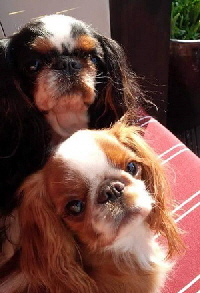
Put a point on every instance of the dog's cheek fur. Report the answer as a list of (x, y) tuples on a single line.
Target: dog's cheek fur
[(38, 218), (24, 134), (117, 87), (19, 56), (160, 219)]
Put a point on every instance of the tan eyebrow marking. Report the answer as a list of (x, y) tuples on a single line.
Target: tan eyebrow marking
[(42, 45), (114, 150), (86, 43)]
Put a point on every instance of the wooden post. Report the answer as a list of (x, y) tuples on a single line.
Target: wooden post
[(142, 27)]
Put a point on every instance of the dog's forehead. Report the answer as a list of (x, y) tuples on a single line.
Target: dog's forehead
[(82, 153), (91, 153), (65, 31)]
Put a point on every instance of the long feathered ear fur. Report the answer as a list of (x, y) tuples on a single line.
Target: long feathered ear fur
[(117, 88), (160, 220), (50, 258), (24, 134)]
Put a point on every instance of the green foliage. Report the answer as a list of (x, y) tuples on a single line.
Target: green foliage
[(185, 19)]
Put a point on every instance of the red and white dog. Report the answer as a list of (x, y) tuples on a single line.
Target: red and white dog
[(87, 221)]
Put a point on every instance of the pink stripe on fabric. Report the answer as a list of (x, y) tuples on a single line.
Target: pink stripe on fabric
[(175, 155), (187, 266), (189, 199), (144, 118), (171, 149), (188, 212), (147, 122), (196, 279), (183, 170)]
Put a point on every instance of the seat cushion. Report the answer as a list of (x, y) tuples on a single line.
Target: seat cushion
[(183, 171)]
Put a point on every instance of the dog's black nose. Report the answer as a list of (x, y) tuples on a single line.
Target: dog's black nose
[(74, 66), (110, 191), (70, 66)]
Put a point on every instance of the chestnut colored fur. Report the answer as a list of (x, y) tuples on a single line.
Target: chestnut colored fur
[(63, 254)]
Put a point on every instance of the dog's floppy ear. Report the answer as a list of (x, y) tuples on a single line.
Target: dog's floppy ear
[(23, 133), (49, 258), (117, 88), (160, 220)]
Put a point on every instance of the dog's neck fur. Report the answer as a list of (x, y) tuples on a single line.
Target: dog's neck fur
[(122, 278), (125, 268), (123, 272), (111, 272)]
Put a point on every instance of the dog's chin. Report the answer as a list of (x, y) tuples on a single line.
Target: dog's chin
[(65, 104), (118, 233), (65, 123), (133, 236), (69, 114)]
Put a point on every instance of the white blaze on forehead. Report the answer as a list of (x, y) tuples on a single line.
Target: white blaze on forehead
[(82, 153), (60, 27)]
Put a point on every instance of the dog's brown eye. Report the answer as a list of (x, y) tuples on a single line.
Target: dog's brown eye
[(132, 168), (74, 208)]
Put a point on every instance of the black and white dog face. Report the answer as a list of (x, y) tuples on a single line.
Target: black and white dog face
[(62, 66), (55, 60), (57, 75)]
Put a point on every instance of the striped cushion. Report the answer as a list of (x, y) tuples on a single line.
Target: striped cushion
[(183, 170)]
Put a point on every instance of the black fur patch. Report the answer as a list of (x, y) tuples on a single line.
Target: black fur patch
[(78, 30)]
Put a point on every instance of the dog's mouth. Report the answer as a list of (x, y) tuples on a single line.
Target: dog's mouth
[(120, 208), (119, 215), (69, 114), (65, 102), (113, 223)]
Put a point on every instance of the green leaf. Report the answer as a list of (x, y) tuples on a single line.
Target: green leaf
[(185, 19)]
